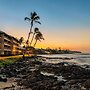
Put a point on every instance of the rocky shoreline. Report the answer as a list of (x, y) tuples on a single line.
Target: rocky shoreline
[(34, 74)]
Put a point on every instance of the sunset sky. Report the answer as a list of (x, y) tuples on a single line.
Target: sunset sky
[(65, 23)]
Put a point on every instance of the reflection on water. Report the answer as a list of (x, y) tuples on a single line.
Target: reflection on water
[(76, 58)]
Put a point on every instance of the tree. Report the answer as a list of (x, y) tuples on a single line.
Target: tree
[(36, 30), (33, 18), (38, 36), (21, 40)]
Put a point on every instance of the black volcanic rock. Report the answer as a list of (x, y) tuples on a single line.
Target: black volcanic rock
[(87, 84), (29, 73), (3, 79)]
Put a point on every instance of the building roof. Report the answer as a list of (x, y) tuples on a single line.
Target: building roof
[(1, 32)]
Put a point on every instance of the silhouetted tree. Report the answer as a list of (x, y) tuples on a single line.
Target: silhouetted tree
[(21, 40), (36, 30), (38, 36), (33, 18)]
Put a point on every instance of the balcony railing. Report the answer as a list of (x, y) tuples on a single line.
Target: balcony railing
[(7, 50), (7, 39), (7, 44)]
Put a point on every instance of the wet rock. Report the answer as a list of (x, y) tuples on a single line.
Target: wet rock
[(3, 79), (37, 81), (60, 83), (87, 84), (29, 75)]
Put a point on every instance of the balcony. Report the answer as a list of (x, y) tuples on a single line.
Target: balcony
[(7, 39), (7, 50), (6, 44), (16, 44), (7, 47)]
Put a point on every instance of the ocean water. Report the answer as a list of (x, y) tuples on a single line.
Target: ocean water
[(81, 59)]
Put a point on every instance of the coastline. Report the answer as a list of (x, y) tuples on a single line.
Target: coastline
[(34, 74)]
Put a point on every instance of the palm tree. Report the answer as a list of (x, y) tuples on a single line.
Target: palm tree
[(38, 36), (36, 30), (21, 40), (33, 18)]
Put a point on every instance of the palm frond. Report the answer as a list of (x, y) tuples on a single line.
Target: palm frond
[(36, 30), (39, 40), (26, 18), (39, 36), (36, 18), (21, 40), (33, 15), (42, 38), (38, 22)]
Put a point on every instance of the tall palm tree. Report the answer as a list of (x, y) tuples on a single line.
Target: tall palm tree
[(36, 30), (33, 18), (38, 36)]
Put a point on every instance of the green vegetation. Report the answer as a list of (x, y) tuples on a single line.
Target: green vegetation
[(54, 51), (7, 61)]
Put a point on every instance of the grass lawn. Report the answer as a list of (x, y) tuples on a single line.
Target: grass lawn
[(11, 59), (8, 60)]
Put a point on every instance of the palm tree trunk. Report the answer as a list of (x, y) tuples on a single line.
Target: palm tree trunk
[(35, 43), (32, 39), (29, 34)]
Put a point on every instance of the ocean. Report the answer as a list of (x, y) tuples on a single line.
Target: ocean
[(79, 58)]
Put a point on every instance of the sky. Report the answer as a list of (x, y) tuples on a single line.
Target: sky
[(65, 23)]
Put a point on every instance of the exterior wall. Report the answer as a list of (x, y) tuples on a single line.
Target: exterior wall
[(8, 44), (15, 46), (2, 44)]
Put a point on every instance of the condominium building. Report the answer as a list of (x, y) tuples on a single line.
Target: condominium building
[(9, 45)]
